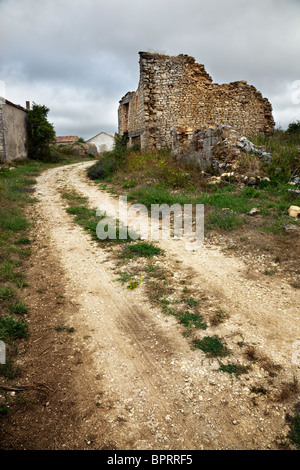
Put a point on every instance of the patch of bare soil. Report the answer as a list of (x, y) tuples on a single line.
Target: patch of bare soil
[(117, 373), (264, 253)]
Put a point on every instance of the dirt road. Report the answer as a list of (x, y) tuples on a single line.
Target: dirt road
[(127, 377)]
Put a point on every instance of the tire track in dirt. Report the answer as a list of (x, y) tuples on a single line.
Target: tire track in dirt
[(256, 303), (162, 395), (128, 344)]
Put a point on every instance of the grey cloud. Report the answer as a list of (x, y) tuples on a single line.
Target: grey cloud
[(91, 49)]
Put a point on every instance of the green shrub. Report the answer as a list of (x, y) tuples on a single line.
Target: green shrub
[(41, 133), (212, 346), (234, 369), (225, 220), (129, 184), (191, 302), (81, 211), (7, 293), (12, 220), (294, 424), (104, 168), (283, 146), (23, 241), (143, 249), (190, 319), (120, 145), (294, 128), (159, 195), (111, 161), (19, 308), (12, 328)]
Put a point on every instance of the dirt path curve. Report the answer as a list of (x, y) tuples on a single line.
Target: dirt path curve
[(154, 391)]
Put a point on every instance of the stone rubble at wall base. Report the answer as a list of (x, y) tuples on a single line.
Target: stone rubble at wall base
[(220, 148)]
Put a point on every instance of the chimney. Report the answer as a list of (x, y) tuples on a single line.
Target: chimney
[(28, 105)]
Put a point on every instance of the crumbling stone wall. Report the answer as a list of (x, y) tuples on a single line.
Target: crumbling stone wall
[(176, 97), (220, 148)]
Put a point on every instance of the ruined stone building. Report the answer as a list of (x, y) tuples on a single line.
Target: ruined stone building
[(13, 131), (176, 97)]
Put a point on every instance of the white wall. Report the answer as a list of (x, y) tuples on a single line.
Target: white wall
[(104, 142)]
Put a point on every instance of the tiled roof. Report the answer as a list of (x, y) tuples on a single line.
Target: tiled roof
[(66, 139), (109, 135), (15, 105)]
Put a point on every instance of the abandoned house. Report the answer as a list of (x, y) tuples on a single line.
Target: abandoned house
[(176, 97), (103, 141), (13, 131)]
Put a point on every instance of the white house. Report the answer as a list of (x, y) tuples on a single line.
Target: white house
[(103, 141)]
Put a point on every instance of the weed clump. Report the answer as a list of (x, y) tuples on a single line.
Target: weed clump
[(141, 249), (190, 320), (283, 145), (224, 220), (293, 421), (218, 317), (234, 368), (111, 161), (12, 328), (212, 346), (103, 168)]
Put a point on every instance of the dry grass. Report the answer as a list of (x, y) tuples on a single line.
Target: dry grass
[(262, 360), (248, 164), (218, 317), (288, 390)]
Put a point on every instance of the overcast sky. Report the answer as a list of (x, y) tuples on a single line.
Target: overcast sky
[(79, 57)]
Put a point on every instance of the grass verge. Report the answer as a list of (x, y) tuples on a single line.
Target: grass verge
[(17, 193)]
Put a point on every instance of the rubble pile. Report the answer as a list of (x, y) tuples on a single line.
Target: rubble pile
[(221, 149)]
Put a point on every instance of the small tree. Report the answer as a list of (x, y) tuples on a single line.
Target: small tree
[(41, 133), (294, 127)]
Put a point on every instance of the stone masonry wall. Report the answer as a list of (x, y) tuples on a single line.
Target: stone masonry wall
[(2, 137), (13, 132), (176, 96)]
